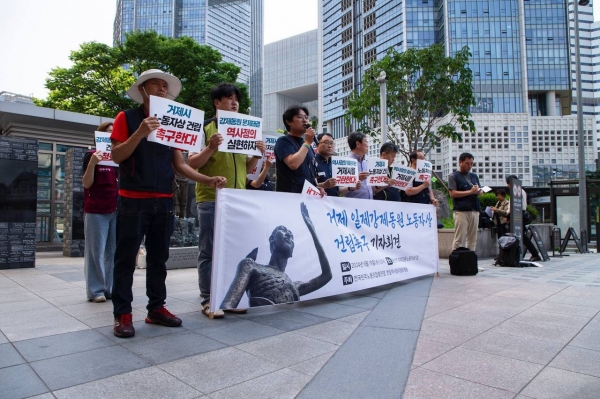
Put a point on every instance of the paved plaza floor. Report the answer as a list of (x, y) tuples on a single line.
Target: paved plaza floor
[(505, 333)]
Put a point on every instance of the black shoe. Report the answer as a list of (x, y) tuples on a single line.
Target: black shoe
[(123, 326), (163, 317), (535, 259)]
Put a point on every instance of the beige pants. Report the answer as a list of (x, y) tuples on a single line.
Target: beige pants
[(465, 225)]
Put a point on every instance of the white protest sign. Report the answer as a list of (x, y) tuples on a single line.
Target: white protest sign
[(423, 170), (240, 133), (310, 189), (378, 172), (253, 175), (180, 125), (303, 247), (270, 141), (104, 145), (344, 171), (403, 176)]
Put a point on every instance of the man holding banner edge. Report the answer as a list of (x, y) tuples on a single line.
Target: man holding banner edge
[(212, 162), (146, 201)]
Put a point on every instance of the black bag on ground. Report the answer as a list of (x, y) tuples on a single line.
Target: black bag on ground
[(509, 251), (463, 262)]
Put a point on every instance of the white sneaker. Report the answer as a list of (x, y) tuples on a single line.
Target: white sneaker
[(99, 299)]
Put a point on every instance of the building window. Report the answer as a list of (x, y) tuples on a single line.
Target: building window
[(345, 103), (370, 56), (347, 68), (346, 18), (368, 4), (346, 4), (347, 51), (370, 38), (346, 35), (347, 85), (368, 21)]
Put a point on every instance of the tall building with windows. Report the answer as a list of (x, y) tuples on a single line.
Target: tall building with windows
[(233, 27), (291, 76), (524, 92)]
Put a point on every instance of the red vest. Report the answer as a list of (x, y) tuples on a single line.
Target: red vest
[(101, 197)]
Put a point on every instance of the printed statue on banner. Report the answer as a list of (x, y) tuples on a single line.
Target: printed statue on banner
[(269, 284)]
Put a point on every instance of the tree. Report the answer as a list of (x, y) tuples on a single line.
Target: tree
[(425, 91), (97, 83)]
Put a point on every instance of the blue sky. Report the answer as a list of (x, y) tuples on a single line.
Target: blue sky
[(38, 35)]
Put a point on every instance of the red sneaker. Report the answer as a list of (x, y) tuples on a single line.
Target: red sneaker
[(124, 326), (163, 317)]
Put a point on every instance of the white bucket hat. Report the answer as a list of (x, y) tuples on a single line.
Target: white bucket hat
[(173, 83)]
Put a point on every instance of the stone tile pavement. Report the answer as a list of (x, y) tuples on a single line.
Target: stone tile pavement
[(522, 333)]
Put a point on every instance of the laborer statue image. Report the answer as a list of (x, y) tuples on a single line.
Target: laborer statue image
[(269, 284)]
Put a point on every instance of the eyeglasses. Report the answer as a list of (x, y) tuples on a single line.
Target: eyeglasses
[(327, 143), (303, 117)]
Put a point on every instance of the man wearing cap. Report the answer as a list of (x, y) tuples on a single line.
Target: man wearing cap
[(146, 201)]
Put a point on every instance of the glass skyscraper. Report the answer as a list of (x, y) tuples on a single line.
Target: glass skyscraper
[(234, 28), (523, 76)]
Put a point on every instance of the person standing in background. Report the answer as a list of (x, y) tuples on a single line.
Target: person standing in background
[(99, 223)]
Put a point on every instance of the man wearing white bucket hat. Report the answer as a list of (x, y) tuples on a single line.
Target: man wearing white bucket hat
[(146, 201)]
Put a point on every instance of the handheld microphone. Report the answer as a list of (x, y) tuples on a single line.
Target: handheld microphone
[(315, 140)]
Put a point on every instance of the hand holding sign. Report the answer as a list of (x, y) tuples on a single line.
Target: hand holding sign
[(240, 132), (174, 124), (103, 148), (423, 170)]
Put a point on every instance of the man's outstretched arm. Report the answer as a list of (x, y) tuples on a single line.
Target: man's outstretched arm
[(325, 276)]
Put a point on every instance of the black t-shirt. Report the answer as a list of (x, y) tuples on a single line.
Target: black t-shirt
[(288, 180)]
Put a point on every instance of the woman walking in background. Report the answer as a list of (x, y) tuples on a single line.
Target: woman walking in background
[(100, 223)]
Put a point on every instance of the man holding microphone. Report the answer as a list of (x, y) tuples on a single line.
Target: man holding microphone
[(294, 155)]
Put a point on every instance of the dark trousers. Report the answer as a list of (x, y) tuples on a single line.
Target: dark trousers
[(153, 218)]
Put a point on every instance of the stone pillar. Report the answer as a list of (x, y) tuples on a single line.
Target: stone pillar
[(73, 238), (18, 202), (551, 103)]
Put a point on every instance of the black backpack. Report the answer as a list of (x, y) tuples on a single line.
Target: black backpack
[(509, 251), (463, 262)]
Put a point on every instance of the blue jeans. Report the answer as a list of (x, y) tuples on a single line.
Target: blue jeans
[(153, 218), (99, 256), (206, 219)]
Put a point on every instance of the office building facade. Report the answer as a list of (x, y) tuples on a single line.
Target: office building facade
[(234, 28), (521, 77), (291, 77)]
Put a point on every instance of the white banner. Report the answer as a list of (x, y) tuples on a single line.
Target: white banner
[(378, 169), (181, 125), (423, 170), (240, 133), (344, 171), (310, 189), (403, 176), (104, 145), (272, 248)]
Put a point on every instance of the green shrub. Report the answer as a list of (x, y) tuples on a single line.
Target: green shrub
[(533, 211), (448, 222), (487, 199)]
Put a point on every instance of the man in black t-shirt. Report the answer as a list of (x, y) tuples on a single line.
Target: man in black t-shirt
[(294, 156)]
